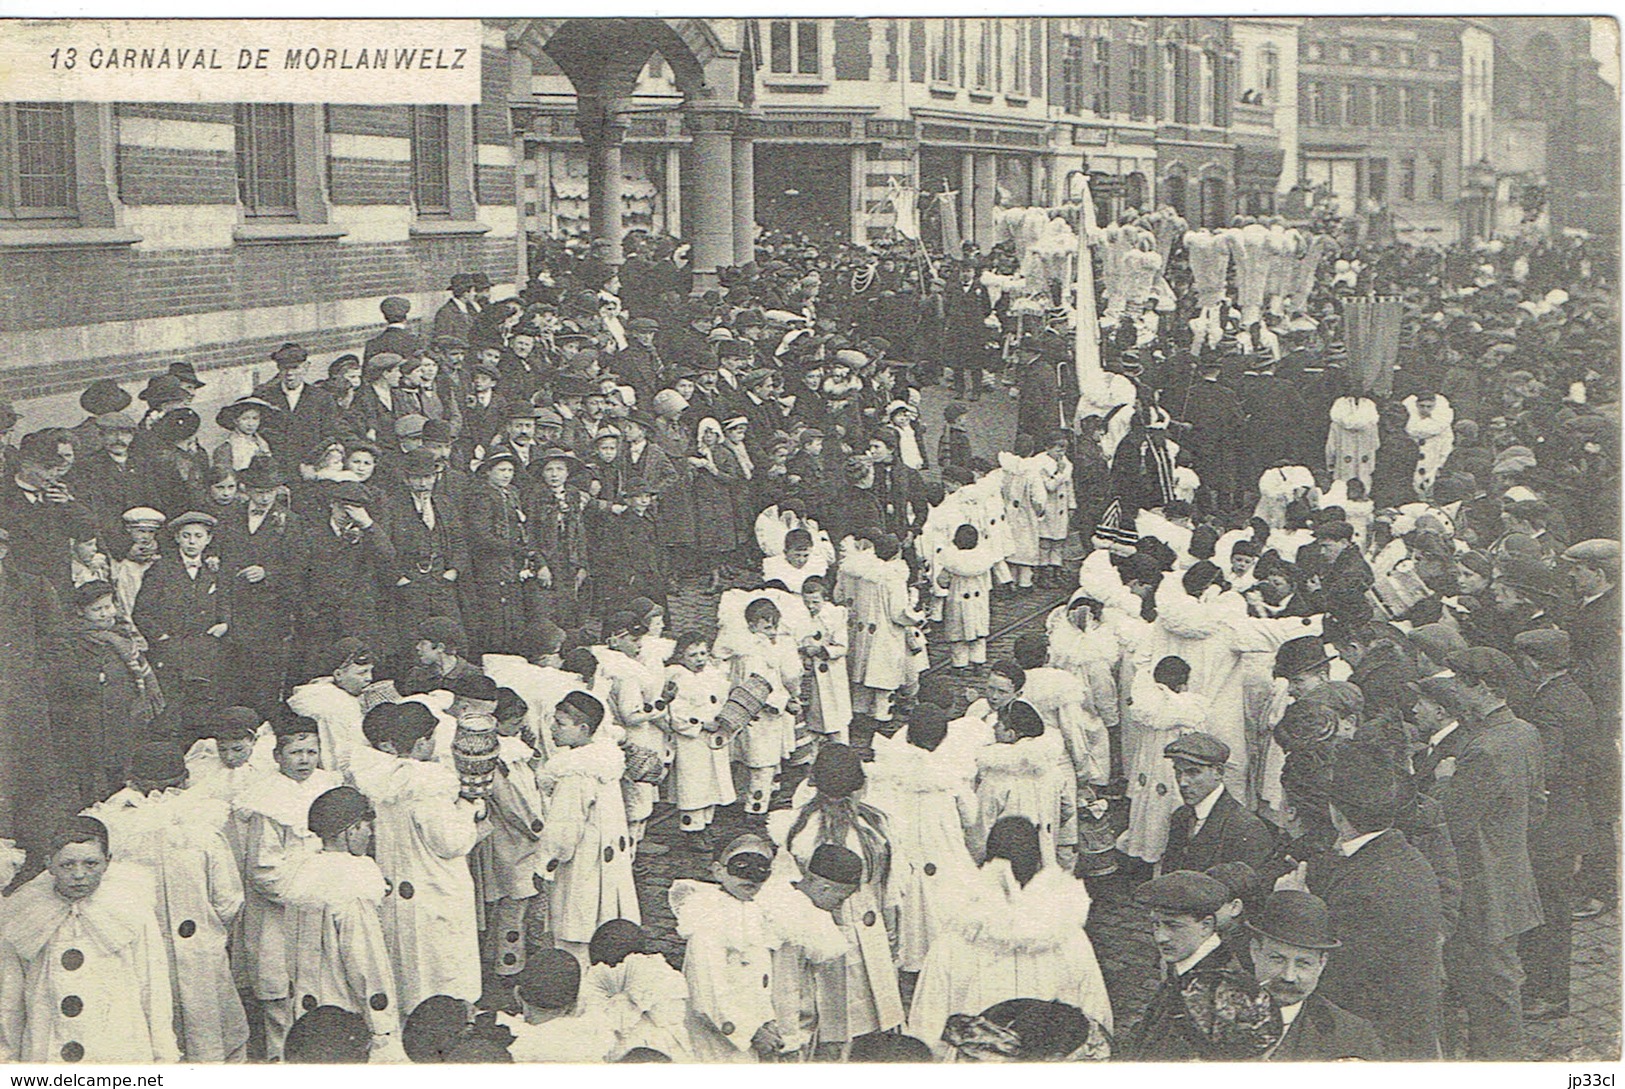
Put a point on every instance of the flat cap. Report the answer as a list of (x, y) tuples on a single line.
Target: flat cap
[(1198, 748), (1596, 552), (194, 518), (436, 431), (1549, 646), (115, 421), (143, 518), (1184, 892), (643, 325), (1478, 663)]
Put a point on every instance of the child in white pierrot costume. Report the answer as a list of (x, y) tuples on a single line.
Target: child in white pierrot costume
[(82, 970), (701, 775), (829, 705), (772, 655), (177, 839), (270, 818), (728, 959), (425, 830), (638, 705), (1163, 710), (926, 789), (585, 852), (862, 997), (339, 955)]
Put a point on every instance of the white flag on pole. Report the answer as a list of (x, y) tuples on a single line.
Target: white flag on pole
[(1086, 313), (904, 203)]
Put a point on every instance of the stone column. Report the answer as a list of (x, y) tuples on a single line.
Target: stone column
[(987, 182), (967, 198), (744, 194), (603, 130), (711, 159)]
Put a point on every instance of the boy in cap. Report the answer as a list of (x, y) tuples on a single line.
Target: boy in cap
[(177, 840), (438, 648), (728, 959), (585, 852), (1211, 826), (338, 953), (1183, 907), (425, 830), (184, 607)]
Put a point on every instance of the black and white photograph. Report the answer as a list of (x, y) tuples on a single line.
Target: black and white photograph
[(777, 539)]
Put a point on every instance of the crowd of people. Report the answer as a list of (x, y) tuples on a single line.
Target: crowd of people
[(334, 732)]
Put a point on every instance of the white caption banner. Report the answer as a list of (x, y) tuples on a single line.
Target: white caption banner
[(369, 61)]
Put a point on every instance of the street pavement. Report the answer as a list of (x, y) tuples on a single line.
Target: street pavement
[(1116, 925)]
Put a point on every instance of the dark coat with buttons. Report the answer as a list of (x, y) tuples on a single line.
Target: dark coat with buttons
[(1324, 1032), (1231, 834), (1495, 797), (175, 612), (1384, 904)]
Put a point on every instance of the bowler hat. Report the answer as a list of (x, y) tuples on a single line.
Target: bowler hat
[(1296, 918), (164, 389), (103, 396), (289, 354), (182, 372), (1300, 655), (262, 473), (436, 431)]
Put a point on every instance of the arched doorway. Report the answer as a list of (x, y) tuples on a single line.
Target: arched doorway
[(1173, 194), (1215, 206), (1134, 192)]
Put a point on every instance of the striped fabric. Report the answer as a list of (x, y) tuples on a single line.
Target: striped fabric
[(1371, 327)]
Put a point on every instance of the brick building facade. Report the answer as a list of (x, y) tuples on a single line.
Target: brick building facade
[(137, 234)]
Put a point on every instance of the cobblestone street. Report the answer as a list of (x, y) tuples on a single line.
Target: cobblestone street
[(1116, 925)]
